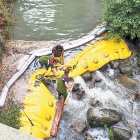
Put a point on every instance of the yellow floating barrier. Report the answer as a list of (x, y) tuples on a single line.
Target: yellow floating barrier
[(95, 56), (40, 109), (40, 105)]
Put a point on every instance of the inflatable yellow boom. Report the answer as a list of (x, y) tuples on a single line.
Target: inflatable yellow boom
[(40, 104)]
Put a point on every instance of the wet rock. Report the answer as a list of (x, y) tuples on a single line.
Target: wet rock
[(89, 137), (76, 87), (138, 134), (91, 84), (114, 64), (127, 82), (94, 102), (121, 134), (79, 94), (79, 127), (96, 78), (104, 68), (138, 62), (136, 97), (125, 69), (136, 42), (87, 76), (102, 117)]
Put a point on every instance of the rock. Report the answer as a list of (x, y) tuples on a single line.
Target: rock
[(91, 84), (76, 87), (89, 137), (94, 102), (104, 68), (136, 42), (114, 64), (127, 82), (136, 97), (80, 94), (138, 62), (79, 127), (96, 78), (121, 134), (87, 76), (125, 69), (138, 134), (102, 117)]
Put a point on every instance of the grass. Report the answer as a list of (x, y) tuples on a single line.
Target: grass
[(11, 116)]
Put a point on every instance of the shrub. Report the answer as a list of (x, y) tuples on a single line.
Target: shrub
[(122, 17)]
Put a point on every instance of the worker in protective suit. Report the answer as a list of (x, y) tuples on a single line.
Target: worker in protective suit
[(64, 86), (54, 60), (58, 52)]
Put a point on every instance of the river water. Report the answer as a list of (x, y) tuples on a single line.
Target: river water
[(111, 93), (55, 19)]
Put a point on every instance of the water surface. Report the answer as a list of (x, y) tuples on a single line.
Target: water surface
[(55, 19)]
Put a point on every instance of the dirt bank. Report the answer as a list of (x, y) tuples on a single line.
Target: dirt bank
[(16, 49)]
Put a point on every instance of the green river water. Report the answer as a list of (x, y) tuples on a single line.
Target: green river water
[(55, 19)]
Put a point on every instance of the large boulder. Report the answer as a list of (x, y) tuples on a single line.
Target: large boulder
[(102, 117), (121, 134)]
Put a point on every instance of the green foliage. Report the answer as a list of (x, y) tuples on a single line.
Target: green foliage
[(111, 134), (6, 20), (122, 17), (11, 117)]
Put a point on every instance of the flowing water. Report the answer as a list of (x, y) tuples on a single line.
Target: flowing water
[(55, 19), (111, 94)]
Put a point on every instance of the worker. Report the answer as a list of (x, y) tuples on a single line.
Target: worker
[(52, 61), (64, 86), (58, 52)]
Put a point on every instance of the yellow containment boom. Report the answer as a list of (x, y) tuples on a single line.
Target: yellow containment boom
[(95, 56), (40, 109), (40, 104)]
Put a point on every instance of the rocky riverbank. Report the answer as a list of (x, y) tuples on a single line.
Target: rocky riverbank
[(106, 112), (124, 73), (14, 51)]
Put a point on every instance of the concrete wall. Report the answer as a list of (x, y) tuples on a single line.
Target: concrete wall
[(9, 133)]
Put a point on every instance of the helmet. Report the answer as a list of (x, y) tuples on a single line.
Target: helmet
[(59, 47)]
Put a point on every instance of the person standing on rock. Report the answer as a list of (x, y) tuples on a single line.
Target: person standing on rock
[(64, 86)]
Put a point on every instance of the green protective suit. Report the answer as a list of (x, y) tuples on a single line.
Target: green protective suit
[(43, 60), (61, 88)]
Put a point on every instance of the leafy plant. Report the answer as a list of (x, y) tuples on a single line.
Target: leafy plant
[(111, 134), (122, 17)]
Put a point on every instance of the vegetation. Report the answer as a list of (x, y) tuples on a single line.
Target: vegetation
[(6, 20), (122, 17), (111, 134), (11, 116)]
